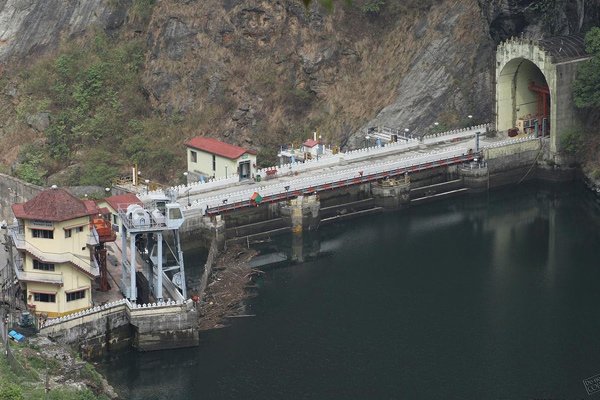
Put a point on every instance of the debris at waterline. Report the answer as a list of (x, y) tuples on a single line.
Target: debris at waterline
[(228, 288)]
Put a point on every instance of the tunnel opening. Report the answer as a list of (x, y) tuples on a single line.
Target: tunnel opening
[(523, 99)]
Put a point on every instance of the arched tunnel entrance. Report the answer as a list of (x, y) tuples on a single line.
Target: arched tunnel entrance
[(523, 99)]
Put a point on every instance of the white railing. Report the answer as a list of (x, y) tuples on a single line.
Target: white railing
[(113, 305), (511, 141), (454, 134), (83, 313)]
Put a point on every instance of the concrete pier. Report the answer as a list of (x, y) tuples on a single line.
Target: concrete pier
[(475, 177), (302, 213), (392, 193)]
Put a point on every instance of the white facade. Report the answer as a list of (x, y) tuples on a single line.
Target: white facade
[(212, 165)]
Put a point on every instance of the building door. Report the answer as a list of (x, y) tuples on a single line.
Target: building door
[(244, 170)]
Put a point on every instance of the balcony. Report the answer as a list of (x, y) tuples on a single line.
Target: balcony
[(52, 278), (81, 262)]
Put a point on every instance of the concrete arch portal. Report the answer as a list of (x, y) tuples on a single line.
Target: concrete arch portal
[(534, 85)]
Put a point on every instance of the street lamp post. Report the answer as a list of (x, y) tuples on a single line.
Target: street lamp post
[(406, 130), (287, 188), (187, 191), (367, 138), (186, 178), (147, 181), (319, 150), (107, 190)]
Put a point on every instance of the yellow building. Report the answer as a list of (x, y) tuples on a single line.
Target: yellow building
[(211, 158), (55, 243)]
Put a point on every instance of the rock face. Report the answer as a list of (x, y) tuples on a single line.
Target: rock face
[(534, 18), (278, 67), (450, 74), (39, 121), (269, 72), (29, 27)]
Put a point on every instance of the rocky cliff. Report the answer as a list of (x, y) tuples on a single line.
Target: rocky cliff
[(30, 28), (265, 72)]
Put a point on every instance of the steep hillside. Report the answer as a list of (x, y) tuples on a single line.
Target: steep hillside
[(88, 88)]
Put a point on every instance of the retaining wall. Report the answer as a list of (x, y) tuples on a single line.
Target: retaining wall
[(121, 324), (13, 190)]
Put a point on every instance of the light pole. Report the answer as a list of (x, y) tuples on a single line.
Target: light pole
[(470, 119), (367, 138), (287, 188), (319, 149), (107, 190), (226, 172), (147, 181), (186, 178), (406, 130)]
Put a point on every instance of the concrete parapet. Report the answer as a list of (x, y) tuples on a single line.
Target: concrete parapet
[(100, 329), (391, 193), (158, 328), (302, 213)]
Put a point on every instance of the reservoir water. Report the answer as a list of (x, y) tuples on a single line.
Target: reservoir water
[(487, 297)]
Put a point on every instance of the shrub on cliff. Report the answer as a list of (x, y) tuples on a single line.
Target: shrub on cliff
[(586, 88)]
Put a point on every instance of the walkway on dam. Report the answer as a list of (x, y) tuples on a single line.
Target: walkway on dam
[(343, 169)]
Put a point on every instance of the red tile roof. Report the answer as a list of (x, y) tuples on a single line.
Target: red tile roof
[(310, 143), (54, 205), (217, 147), (122, 200)]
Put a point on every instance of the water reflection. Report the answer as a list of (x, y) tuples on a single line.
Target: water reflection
[(485, 297)]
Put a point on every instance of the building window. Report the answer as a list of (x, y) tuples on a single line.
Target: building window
[(80, 229), (80, 294), (44, 297), (67, 233), (214, 162), (193, 156), (42, 266), (42, 233), (115, 219)]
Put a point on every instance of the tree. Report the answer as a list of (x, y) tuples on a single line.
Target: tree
[(586, 89)]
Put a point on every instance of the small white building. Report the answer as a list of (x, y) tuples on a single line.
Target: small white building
[(211, 158), (311, 148)]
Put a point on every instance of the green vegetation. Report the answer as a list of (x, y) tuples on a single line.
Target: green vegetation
[(27, 382), (586, 88), (100, 120), (328, 4), (572, 142), (372, 7), (550, 13)]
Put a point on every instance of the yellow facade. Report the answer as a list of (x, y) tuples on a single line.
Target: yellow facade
[(201, 162), (57, 269)]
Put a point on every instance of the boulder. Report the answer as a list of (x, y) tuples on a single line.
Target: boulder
[(38, 121)]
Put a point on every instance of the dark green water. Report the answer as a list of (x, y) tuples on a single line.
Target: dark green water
[(471, 298)]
